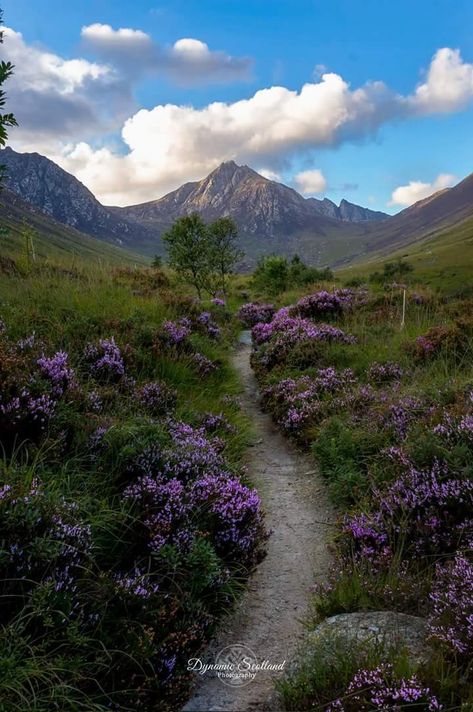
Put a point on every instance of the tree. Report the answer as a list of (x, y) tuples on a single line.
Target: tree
[(187, 244), (271, 274), (6, 120), (157, 262), (223, 252)]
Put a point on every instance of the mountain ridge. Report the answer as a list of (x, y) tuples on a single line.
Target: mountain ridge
[(229, 176)]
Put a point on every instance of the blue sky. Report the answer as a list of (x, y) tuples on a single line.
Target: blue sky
[(290, 43)]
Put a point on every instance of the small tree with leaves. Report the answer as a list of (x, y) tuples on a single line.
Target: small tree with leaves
[(6, 119), (188, 250), (157, 262), (223, 252), (271, 274)]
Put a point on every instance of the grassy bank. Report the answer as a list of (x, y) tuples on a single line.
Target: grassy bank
[(127, 524), (385, 407)]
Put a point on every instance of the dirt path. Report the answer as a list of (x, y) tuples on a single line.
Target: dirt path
[(268, 617)]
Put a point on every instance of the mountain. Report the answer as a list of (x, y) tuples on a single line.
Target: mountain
[(52, 239), (257, 204), (271, 217), (61, 196)]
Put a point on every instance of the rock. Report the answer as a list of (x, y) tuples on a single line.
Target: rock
[(387, 628)]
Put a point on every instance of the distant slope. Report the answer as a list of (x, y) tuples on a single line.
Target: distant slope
[(61, 196), (52, 239), (443, 259), (428, 218), (271, 217)]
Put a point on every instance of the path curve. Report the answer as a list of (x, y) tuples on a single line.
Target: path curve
[(268, 618)]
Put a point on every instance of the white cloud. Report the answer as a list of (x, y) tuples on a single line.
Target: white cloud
[(106, 35), (44, 70), (56, 99), (187, 61), (68, 107), (448, 86), (310, 182), (415, 190), (171, 144)]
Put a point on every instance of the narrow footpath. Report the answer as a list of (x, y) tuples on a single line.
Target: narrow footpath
[(268, 618)]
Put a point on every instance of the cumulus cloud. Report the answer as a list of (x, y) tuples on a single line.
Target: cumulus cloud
[(448, 86), (415, 190), (170, 144), (310, 182), (68, 107), (187, 61), (56, 99)]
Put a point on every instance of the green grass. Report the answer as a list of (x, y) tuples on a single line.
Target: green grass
[(443, 261), (55, 243)]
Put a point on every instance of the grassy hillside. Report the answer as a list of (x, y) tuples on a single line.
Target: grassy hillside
[(53, 240), (443, 260)]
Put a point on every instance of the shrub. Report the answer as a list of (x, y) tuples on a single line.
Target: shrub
[(253, 313), (451, 618)]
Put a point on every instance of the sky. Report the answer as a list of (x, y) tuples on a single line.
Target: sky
[(369, 100)]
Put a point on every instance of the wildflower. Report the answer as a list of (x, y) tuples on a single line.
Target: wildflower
[(451, 618), (379, 689), (253, 313), (157, 397), (203, 365), (58, 372), (105, 359), (176, 333)]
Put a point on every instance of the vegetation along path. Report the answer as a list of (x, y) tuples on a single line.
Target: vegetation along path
[(269, 616)]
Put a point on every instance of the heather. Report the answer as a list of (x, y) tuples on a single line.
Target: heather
[(385, 407), (128, 523)]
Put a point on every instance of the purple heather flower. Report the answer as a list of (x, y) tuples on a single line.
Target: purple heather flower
[(429, 509), (203, 365), (27, 343), (137, 584), (94, 401), (216, 421), (157, 397), (380, 689), (253, 313), (231, 513), (58, 372), (451, 618), (381, 372), (176, 333), (105, 359)]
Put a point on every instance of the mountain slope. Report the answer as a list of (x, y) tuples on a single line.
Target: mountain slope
[(45, 185), (426, 219), (271, 217), (52, 239)]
